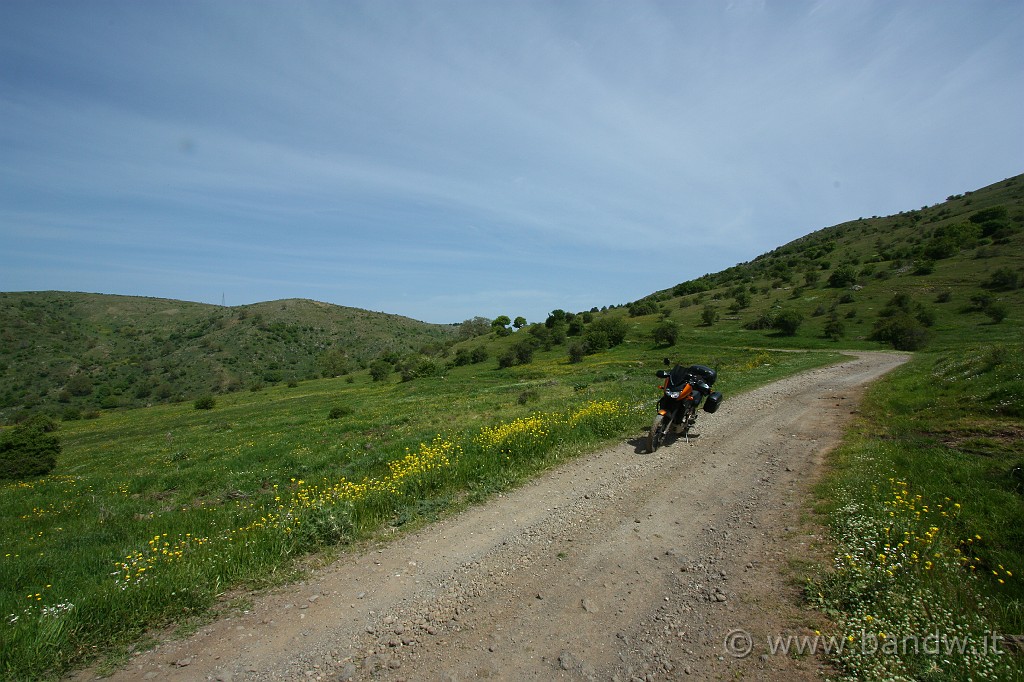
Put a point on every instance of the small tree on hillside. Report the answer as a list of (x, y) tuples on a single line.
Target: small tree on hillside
[(788, 322), (666, 333), (500, 325), (29, 449), (709, 315), (380, 370)]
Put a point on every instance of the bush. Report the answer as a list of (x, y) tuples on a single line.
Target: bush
[(709, 315), (843, 276), (339, 411), (577, 351), (605, 333), (901, 331), (834, 329), (29, 449), (997, 312), (666, 333), (788, 322), (380, 370), (1003, 279), (641, 308), (206, 402), (765, 320)]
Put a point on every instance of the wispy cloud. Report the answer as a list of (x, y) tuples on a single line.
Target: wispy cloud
[(447, 159)]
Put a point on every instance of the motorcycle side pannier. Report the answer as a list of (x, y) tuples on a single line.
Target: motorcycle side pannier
[(712, 403), (709, 375)]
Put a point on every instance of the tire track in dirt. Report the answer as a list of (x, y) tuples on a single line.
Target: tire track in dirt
[(619, 565)]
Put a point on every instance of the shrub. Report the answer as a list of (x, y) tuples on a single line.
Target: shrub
[(788, 322), (709, 315), (606, 333), (901, 331), (380, 370), (641, 308), (997, 312), (339, 411), (666, 333), (1003, 279), (577, 351), (29, 449), (765, 320), (834, 329), (528, 396), (206, 402), (843, 276)]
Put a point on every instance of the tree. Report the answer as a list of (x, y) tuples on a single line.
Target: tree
[(476, 326), (666, 332), (29, 449), (556, 316), (79, 385), (577, 350), (788, 322), (519, 322), (500, 325), (380, 370), (843, 276), (997, 312), (902, 331), (206, 402), (613, 328), (709, 315), (834, 328), (1003, 279), (334, 363)]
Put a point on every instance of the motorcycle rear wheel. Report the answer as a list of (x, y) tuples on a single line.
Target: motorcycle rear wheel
[(657, 434)]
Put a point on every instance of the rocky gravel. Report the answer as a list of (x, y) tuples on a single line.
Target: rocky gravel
[(619, 565)]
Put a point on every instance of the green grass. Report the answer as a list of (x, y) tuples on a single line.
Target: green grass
[(925, 506), (206, 500)]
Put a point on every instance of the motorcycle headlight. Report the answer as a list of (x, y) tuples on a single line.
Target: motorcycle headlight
[(672, 394)]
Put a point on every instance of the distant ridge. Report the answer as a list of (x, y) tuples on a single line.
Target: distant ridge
[(80, 351)]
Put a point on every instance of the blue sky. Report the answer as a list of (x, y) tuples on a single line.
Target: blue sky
[(443, 159)]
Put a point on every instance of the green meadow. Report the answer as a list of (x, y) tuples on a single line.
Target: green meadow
[(154, 513)]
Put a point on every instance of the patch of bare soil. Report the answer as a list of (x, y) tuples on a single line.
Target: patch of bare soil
[(619, 565)]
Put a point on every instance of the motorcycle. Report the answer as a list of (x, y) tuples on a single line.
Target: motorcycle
[(683, 390)]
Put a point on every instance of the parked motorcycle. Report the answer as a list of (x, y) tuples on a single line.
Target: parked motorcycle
[(682, 392)]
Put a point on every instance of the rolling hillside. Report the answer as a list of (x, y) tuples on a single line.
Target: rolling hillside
[(74, 353), (947, 273), (929, 277)]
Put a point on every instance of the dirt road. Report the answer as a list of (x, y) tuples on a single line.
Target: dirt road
[(617, 566)]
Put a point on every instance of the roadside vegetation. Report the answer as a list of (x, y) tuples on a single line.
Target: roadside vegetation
[(153, 514), (925, 501), (259, 435)]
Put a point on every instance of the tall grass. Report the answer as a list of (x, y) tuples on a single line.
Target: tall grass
[(153, 513)]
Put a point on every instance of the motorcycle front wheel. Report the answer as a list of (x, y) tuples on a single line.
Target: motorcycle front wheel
[(658, 430)]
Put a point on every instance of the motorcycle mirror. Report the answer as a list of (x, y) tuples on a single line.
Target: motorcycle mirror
[(666, 362)]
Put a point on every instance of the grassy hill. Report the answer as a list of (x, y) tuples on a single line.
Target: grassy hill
[(70, 354), (956, 269), (153, 512)]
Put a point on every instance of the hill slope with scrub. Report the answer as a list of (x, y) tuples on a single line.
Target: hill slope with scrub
[(70, 354)]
